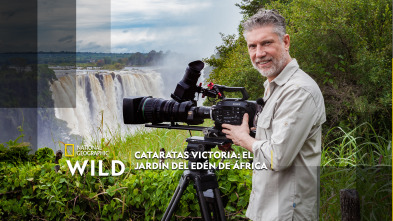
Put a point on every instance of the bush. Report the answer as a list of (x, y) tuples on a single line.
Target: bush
[(43, 155), (33, 191)]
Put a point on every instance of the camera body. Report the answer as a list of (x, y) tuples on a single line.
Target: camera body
[(231, 111)]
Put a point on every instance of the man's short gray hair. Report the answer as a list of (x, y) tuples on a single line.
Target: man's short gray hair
[(265, 18)]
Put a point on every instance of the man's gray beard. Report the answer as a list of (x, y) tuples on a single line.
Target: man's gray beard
[(275, 69)]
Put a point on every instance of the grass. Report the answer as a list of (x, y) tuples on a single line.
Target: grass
[(361, 161), (145, 140), (351, 161), (352, 149)]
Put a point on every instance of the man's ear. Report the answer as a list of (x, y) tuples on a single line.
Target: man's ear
[(287, 41)]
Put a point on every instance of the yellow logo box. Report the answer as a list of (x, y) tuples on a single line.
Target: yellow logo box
[(66, 152)]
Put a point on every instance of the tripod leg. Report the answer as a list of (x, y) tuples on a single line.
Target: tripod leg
[(212, 204), (176, 197), (215, 205), (202, 201), (220, 206)]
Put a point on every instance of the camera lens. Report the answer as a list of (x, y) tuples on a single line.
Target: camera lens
[(138, 110), (158, 110)]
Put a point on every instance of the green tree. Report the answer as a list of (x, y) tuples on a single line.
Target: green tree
[(250, 7), (232, 67), (107, 60), (46, 76), (100, 63), (345, 45)]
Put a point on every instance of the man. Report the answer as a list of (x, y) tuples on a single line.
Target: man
[(288, 133)]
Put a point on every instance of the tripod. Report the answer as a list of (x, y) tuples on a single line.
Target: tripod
[(205, 183)]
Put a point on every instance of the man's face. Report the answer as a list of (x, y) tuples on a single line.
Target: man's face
[(268, 53)]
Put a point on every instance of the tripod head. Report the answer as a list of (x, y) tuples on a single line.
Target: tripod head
[(198, 145)]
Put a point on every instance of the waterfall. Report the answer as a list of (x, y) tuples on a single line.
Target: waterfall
[(99, 97)]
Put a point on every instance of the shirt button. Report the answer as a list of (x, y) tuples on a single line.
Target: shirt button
[(294, 205)]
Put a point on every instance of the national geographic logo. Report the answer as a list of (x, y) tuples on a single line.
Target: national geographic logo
[(67, 148), (70, 151)]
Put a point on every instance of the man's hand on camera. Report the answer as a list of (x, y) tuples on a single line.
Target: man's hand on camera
[(239, 134)]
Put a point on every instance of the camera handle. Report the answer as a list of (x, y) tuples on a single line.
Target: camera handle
[(218, 90), (235, 89), (215, 90), (205, 184)]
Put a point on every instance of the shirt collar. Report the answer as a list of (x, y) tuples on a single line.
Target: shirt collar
[(285, 74)]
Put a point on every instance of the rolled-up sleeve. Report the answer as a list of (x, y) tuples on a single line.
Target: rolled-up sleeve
[(294, 115)]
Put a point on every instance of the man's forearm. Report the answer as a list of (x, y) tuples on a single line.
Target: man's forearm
[(247, 143)]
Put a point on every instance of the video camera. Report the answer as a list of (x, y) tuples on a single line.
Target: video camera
[(183, 107)]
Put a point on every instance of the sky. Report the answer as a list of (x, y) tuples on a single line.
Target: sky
[(190, 27)]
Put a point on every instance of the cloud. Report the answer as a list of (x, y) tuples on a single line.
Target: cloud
[(92, 47), (181, 26), (153, 8), (93, 25), (68, 38), (18, 26), (191, 26), (87, 39), (93, 14), (56, 25)]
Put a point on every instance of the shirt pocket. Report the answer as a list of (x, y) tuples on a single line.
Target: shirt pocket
[(264, 126)]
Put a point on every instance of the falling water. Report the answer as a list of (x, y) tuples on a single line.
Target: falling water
[(99, 97)]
